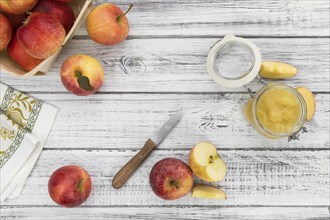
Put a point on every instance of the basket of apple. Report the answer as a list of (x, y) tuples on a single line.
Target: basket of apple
[(33, 32)]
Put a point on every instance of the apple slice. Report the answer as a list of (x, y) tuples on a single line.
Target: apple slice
[(310, 101), (277, 70), (206, 163), (208, 192)]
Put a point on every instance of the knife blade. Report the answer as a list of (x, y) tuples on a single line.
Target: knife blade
[(126, 171), (166, 128)]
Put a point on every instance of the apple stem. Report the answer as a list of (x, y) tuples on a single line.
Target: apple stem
[(77, 73), (122, 15), (27, 19)]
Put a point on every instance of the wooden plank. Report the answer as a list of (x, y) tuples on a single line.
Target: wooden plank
[(254, 178), (178, 65), (252, 18), (260, 181), (228, 213), (125, 121)]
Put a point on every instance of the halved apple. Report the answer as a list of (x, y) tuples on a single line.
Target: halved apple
[(208, 192), (206, 163), (310, 101)]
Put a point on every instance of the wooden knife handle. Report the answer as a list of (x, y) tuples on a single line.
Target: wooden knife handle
[(126, 171)]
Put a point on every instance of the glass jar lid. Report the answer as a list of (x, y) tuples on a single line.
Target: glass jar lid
[(233, 61)]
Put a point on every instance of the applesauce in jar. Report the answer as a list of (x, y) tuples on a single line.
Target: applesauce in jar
[(276, 111)]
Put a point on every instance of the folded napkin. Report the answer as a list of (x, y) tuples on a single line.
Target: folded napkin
[(25, 123)]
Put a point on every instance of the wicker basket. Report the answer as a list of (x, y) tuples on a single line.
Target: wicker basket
[(81, 9)]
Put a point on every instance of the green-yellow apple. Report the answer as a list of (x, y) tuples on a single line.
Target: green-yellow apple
[(6, 31), (41, 35), (70, 186), (82, 74), (206, 163), (17, 6), (171, 179), (107, 24)]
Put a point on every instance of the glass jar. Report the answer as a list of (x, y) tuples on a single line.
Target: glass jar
[(276, 111)]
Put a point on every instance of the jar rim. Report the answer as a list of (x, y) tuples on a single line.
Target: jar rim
[(222, 48), (233, 82), (303, 107)]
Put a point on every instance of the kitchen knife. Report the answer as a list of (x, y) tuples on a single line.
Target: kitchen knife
[(126, 171)]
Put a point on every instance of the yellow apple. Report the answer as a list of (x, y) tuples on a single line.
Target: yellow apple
[(310, 101), (107, 24), (208, 192), (82, 75), (17, 6), (206, 163)]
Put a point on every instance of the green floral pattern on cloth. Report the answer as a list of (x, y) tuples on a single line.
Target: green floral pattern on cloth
[(6, 133), (23, 111)]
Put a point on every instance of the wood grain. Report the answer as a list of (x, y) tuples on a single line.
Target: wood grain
[(254, 178), (164, 69), (179, 65), (126, 121), (175, 213), (213, 17)]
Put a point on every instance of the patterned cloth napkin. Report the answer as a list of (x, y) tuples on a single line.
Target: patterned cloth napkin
[(25, 123)]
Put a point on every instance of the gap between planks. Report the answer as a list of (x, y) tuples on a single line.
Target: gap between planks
[(160, 93), (181, 149), (133, 37), (169, 206)]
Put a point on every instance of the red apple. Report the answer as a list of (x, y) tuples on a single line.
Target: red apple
[(17, 6), (171, 179), (61, 11), (6, 31), (70, 186), (82, 75), (107, 24), (41, 35), (18, 54), (63, 0)]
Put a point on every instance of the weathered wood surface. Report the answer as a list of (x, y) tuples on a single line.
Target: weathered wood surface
[(266, 179), (179, 65), (126, 121), (214, 17), (254, 178), (165, 213)]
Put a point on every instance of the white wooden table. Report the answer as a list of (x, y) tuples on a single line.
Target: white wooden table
[(265, 180)]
